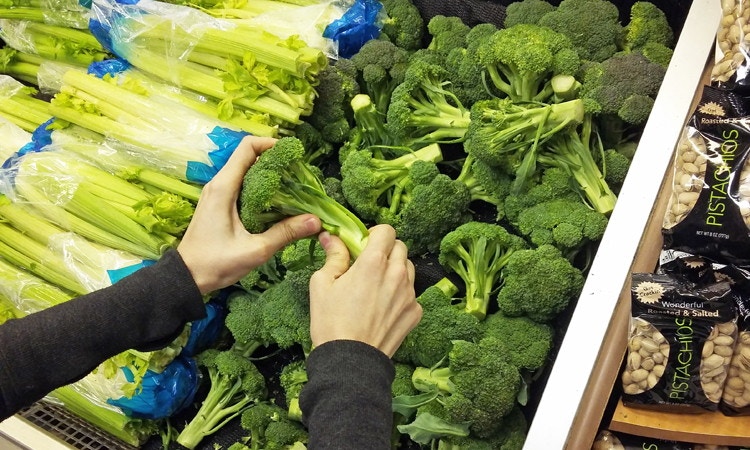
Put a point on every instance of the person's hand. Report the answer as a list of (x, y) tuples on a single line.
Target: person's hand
[(216, 248), (373, 301)]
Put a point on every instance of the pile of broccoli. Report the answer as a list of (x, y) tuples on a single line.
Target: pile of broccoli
[(497, 152)]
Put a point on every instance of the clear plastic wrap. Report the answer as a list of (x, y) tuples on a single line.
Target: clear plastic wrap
[(609, 440), (732, 41)]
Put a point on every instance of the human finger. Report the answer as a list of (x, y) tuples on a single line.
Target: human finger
[(337, 256), (287, 231)]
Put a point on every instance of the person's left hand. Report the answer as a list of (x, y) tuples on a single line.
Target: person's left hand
[(216, 247)]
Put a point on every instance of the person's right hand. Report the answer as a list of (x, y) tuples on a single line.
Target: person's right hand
[(373, 301)]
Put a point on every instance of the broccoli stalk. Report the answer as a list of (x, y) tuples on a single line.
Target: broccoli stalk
[(478, 386), (281, 184), (573, 152), (424, 110), (478, 252), (235, 384), (371, 184), (505, 133)]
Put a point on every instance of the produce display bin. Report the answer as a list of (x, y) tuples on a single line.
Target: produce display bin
[(578, 387)]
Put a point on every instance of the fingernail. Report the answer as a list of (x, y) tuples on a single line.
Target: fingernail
[(312, 224), (325, 239)]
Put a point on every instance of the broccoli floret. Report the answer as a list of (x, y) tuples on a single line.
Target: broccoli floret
[(657, 53), (538, 283), (234, 384), (263, 276), (478, 386), (423, 109), (443, 321), (526, 343), (271, 429), (616, 166), (511, 436), (436, 207), (238, 446), (477, 252), (332, 115), (279, 315), (521, 60), (526, 11), (576, 151), (282, 184), (446, 33), (593, 26), (381, 66), (647, 24), (609, 84), (465, 69), (301, 254), (507, 134), (292, 379), (371, 184), (317, 146), (553, 183), (404, 26), (485, 183), (568, 225)]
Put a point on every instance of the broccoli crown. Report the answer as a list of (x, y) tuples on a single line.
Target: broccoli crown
[(270, 428), (244, 322), (538, 283), (302, 253), (424, 110), (292, 378), (370, 184), (381, 66), (282, 184), (447, 33), (521, 59), (526, 11), (566, 224), (280, 434), (554, 183), (435, 209), (648, 24), (404, 26), (443, 321), (504, 133), (231, 366), (636, 109), (479, 385), (593, 26), (528, 343), (402, 382), (485, 182), (616, 166), (609, 84), (657, 53), (465, 69), (257, 417), (332, 115), (477, 252)]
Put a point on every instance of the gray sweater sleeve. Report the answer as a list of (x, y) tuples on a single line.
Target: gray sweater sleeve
[(346, 403), (60, 345)]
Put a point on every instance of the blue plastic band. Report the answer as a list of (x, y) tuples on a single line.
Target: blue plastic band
[(85, 3), (40, 137), (357, 26), (199, 172), (101, 33), (108, 67), (116, 275), (164, 394), (227, 140), (205, 332)]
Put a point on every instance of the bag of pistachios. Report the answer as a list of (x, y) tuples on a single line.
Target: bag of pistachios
[(708, 211), (735, 399), (610, 440), (680, 343)]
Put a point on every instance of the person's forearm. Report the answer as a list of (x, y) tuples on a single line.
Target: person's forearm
[(347, 401), (60, 345)]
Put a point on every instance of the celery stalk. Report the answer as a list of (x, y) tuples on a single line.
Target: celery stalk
[(27, 292), (129, 430), (30, 255), (8, 310)]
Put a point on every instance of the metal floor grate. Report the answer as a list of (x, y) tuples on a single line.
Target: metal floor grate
[(70, 428)]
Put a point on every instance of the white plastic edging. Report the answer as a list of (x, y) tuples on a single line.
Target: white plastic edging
[(575, 361), (29, 436)]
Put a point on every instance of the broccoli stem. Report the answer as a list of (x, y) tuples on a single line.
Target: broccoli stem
[(426, 379), (572, 152), (476, 190)]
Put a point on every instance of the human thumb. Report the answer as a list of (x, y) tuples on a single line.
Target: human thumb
[(337, 255), (289, 230)]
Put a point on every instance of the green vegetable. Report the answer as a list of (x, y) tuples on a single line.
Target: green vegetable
[(423, 110), (508, 134), (292, 379), (371, 184), (444, 319), (521, 60), (271, 429), (281, 184), (477, 386), (478, 252), (234, 384), (404, 25), (332, 114), (647, 24), (381, 66), (526, 11), (538, 283)]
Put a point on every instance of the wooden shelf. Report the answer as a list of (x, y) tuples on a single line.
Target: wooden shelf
[(700, 428)]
